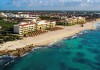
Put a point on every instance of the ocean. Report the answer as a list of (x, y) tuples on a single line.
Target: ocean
[(79, 52)]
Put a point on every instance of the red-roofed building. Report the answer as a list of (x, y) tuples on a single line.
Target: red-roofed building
[(24, 27)]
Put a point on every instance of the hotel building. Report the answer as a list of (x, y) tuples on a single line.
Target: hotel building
[(24, 27), (74, 20), (29, 26)]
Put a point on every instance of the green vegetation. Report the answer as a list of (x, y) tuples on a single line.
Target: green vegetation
[(7, 26), (47, 28), (5, 34), (5, 37), (64, 24), (45, 17)]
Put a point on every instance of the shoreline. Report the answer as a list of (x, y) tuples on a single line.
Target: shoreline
[(43, 40)]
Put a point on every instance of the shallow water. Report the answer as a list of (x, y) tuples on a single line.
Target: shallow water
[(81, 52)]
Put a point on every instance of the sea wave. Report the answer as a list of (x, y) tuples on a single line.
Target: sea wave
[(7, 56), (31, 51), (6, 60), (8, 63), (55, 41), (75, 36)]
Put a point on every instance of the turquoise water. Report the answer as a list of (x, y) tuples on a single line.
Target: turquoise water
[(81, 52)]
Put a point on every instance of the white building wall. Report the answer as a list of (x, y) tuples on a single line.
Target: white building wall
[(16, 29), (24, 29)]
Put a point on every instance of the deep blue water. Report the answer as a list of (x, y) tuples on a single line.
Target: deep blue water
[(80, 52)]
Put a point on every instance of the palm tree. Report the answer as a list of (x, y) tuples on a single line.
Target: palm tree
[(50, 25), (77, 20), (36, 24)]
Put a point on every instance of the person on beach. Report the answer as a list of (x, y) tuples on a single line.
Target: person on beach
[(81, 25)]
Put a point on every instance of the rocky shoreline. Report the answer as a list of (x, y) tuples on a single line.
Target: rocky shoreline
[(18, 52)]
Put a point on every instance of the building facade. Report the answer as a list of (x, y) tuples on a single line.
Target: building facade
[(25, 27), (43, 24), (74, 20)]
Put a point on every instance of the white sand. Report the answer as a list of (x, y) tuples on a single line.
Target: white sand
[(47, 38)]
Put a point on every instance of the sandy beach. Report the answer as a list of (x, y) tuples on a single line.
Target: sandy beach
[(47, 38)]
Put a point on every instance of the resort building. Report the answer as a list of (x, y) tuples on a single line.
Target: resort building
[(32, 25), (74, 20), (43, 24), (24, 27)]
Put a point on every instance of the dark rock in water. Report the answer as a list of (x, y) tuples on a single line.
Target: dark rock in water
[(97, 63), (73, 69), (97, 69), (80, 54), (63, 66), (94, 50), (80, 60), (39, 68), (67, 53), (98, 46), (83, 61), (93, 65), (80, 47), (97, 58), (85, 42), (55, 46)]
